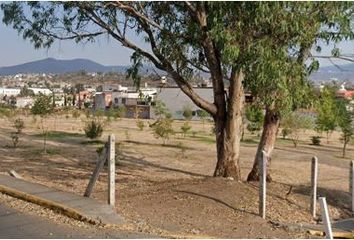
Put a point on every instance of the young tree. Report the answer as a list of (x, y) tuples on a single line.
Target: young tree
[(345, 124), (26, 92), (43, 107), (326, 109), (254, 115), (297, 124), (187, 112), (183, 37), (203, 115)]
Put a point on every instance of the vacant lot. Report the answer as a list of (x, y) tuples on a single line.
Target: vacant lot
[(169, 188)]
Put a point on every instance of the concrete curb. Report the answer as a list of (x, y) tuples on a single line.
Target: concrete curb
[(67, 211)]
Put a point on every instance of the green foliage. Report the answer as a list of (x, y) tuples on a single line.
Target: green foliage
[(344, 120), (296, 124), (187, 112), (160, 110), (42, 106), (140, 124), (15, 139), (93, 128), (183, 149), (18, 124), (127, 135), (5, 112), (116, 113), (203, 115), (255, 117), (326, 108), (25, 92), (185, 128), (285, 132), (76, 113), (163, 129), (316, 140)]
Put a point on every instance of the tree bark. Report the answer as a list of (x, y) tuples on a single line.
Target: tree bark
[(344, 147), (228, 131), (267, 142)]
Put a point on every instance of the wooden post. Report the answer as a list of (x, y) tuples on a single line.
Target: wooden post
[(314, 175), (262, 184), (99, 165), (325, 218), (111, 170), (351, 183)]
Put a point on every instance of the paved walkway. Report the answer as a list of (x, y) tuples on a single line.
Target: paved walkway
[(72, 205)]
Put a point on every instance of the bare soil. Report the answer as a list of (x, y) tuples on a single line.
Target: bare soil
[(169, 189)]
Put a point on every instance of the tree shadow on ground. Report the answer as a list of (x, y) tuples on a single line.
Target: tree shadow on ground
[(141, 163), (334, 197), (218, 201), (157, 144)]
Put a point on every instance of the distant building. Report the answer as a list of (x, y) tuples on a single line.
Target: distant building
[(24, 102), (176, 100), (344, 93), (9, 91), (37, 91)]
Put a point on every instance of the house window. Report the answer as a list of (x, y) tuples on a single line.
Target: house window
[(123, 100), (115, 100)]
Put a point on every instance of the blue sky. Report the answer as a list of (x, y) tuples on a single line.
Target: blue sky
[(14, 50)]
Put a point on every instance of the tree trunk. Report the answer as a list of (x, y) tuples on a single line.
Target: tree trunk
[(344, 147), (228, 128), (267, 142)]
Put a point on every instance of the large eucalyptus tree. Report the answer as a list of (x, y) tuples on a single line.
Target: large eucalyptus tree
[(286, 87), (219, 38)]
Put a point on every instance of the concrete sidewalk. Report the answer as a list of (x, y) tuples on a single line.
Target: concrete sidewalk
[(72, 205)]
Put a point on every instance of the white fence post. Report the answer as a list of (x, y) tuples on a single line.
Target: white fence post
[(111, 170), (351, 183), (314, 175), (262, 184), (325, 218)]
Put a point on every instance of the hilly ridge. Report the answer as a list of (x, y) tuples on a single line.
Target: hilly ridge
[(56, 66)]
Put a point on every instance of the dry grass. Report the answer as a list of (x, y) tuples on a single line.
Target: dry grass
[(169, 186)]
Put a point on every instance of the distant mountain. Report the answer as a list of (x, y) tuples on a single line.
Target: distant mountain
[(341, 72), (55, 66)]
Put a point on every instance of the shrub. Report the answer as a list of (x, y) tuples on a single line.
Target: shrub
[(187, 112), (316, 140), (76, 114), (163, 129), (285, 132), (183, 149), (185, 128), (140, 124), (15, 139), (19, 125), (93, 128), (127, 135)]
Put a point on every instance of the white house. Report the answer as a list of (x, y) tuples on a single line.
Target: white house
[(22, 102), (10, 91), (37, 91)]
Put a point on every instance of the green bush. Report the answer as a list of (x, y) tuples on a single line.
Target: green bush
[(316, 140), (93, 128), (76, 114), (19, 124), (285, 132), (185, 128), (163, 129), (140, 124)]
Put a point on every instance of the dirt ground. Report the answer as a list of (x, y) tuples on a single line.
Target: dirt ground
[(169, 187)]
